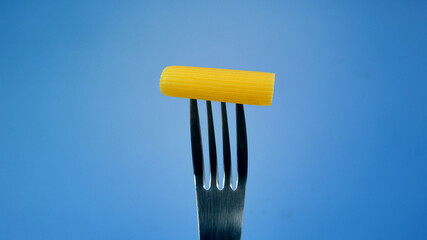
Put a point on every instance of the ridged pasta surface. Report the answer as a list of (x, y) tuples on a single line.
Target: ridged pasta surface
[(214, 84)]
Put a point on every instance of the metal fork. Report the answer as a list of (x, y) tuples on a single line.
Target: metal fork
[(219, 212)]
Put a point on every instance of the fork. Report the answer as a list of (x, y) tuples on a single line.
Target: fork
[(219, 211)]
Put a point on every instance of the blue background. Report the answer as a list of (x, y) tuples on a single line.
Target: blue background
[(90, 148)]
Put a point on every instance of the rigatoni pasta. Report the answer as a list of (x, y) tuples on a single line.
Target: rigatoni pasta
[(222, 85)]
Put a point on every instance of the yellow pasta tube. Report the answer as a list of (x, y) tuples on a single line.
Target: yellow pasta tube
[(214, 84)]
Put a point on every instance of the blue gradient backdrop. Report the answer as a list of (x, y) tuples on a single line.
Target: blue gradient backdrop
[(90, 148)]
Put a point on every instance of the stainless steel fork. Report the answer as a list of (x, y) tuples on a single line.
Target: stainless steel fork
[(219, 212)]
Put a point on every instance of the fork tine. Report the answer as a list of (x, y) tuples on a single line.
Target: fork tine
[(226, 147), (242, 147), (212, 147), (196, 145)]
